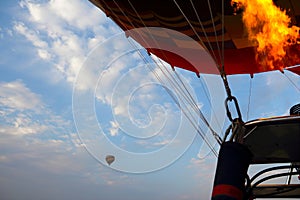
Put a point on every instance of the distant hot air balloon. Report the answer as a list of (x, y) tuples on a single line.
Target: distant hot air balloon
[(110, 159)]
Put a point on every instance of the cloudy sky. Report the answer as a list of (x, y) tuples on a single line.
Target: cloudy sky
[(74, 89)]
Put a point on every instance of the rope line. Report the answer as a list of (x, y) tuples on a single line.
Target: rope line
[(184, 94), (214, 27), (249, 98), (204, 32), (292, 82), (190, 118)]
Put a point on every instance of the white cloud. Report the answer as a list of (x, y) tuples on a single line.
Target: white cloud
[(23, 130), (114, 128), (31, 133), (3, 158), (24, 113), (44, 54), (17, 96), (70, 12), (30, 35), (63, 32), (162, 143), (56, 12)]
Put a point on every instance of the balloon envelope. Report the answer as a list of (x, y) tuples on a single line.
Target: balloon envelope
[(202, 21), (110, 159)]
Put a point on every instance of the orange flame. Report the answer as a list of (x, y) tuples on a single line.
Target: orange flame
[(269, 29)]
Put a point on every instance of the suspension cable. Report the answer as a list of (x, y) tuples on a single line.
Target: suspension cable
[(219, 140), (292, 82), (217, 137), (224, 76), (214, 27), (208, 42), (171, 80), (249, 98), (157, 76), (197, 128), (223, 37), (204, 32), (192, 102)]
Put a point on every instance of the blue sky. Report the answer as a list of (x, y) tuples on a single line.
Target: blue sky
[(73, 90)]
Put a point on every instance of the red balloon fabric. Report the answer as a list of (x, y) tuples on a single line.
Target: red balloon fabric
[(203, 22)]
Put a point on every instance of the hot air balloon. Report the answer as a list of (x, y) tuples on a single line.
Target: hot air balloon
[(202, 21), (110, 159), (239, 40)]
